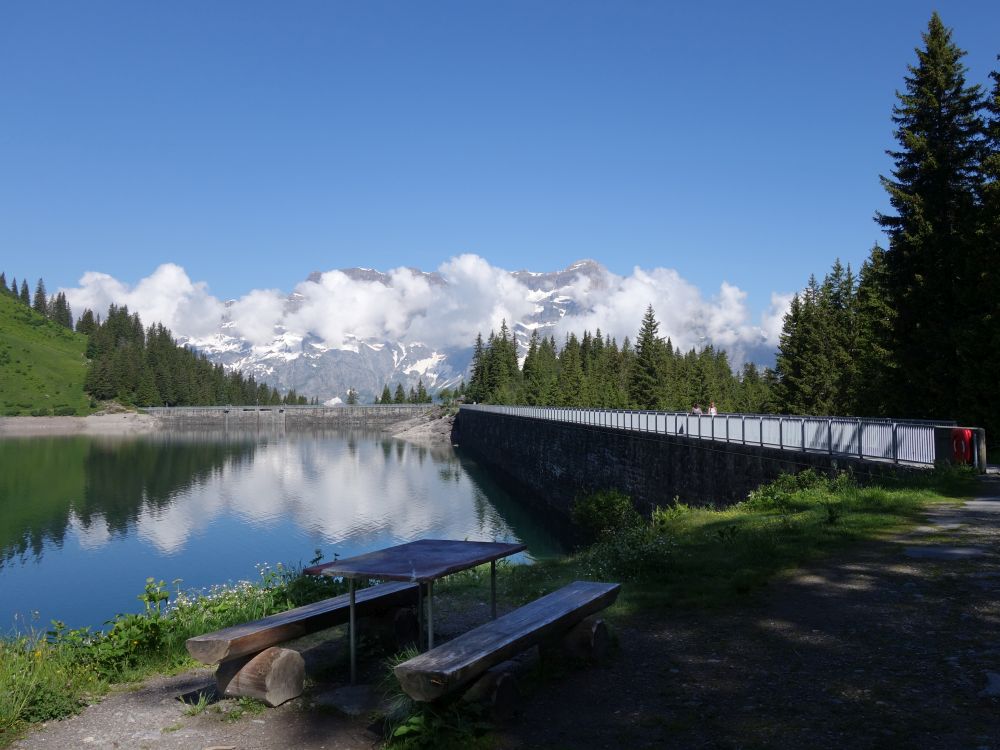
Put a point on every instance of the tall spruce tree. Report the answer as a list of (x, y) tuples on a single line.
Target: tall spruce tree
[(25, 296), (932, 191), (983, 398), (645, 385), (40, 304)]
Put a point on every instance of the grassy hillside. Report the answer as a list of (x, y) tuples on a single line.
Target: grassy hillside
[(42, 364)]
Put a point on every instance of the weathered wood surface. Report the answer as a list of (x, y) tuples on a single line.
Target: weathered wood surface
[(441, 670), (420, 561), (251, 637), (273, 676)]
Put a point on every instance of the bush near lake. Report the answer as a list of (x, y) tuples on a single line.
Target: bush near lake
[(680, 557)]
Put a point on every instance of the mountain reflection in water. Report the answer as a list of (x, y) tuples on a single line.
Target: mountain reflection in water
[(84, 521)]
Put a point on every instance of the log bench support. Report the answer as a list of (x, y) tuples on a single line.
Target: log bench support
[(250, 664), (470, 657)]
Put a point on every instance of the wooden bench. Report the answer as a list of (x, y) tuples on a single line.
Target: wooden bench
[(250, 662), (459, 662)]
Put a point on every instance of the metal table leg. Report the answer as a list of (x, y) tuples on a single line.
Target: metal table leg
[(420, 616), (430, 615), (352, 634), (493, 589)]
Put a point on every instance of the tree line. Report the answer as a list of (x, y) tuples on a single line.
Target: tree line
[(418, 395), (140, 366), (146, 367), (54, 307), (593, 370), (917, 333)]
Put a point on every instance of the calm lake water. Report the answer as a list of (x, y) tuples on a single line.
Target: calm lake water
[(84, 521)]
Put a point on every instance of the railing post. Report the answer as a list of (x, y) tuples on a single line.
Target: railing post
[(895, 444), (781, 433), (861, 442), (802, 439), (829, 436), (743, 428)]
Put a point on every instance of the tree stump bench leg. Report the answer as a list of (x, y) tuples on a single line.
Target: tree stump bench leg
[(273, 676), (588, 640), (497, 690)]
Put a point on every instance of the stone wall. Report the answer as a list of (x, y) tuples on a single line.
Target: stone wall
[(558, 461)]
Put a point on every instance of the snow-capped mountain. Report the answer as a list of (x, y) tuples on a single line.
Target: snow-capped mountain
[(301, 359)]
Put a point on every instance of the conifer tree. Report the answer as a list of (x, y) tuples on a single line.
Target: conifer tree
[(386, 395), (24, 296), (40, 304), (477, 381), (3, 283), (645, 385), (931, 234), (871, 392), (569, 385), (400, 395), (981, 404)]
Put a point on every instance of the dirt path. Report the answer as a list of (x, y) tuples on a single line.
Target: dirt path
[(893, 645)]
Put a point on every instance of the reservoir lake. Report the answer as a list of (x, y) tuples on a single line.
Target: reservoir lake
[(84, 521)]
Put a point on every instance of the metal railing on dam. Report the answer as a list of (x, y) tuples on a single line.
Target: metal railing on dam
[(909, 442)]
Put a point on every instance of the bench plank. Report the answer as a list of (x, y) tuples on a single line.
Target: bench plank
[(441, 670), (251, 637)]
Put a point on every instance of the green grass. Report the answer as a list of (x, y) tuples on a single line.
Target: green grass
[(699, 557), (42, 364)]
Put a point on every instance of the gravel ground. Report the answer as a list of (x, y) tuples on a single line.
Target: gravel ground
[(892, 645)]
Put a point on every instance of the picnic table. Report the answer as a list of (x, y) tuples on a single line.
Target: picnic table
[(423, 562)]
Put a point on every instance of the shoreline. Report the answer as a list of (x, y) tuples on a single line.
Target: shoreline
[(125, 423)]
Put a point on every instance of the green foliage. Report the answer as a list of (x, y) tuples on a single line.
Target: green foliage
[(636, 553), (146, 367), (607, 511), (591, 370), (42, 364), (892, 346)]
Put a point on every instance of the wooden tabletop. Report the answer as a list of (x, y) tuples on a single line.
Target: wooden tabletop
[(420, 561)]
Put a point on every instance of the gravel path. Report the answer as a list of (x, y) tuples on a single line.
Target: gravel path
[(892, 645)]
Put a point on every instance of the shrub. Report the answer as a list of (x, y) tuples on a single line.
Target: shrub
[(636, 553), (781, 493), (606, 511), (64, 411)]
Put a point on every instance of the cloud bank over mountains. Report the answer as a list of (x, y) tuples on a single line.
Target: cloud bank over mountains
[(447, 308)]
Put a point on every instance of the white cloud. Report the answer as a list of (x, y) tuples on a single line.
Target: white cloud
[(475, 297), (166, 296)]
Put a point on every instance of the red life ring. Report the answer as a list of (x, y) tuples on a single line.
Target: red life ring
[(961, 445)]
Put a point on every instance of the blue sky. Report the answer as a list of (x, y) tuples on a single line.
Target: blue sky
[(252, 143)]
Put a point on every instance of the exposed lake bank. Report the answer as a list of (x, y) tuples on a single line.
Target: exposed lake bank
[(125, 423)]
